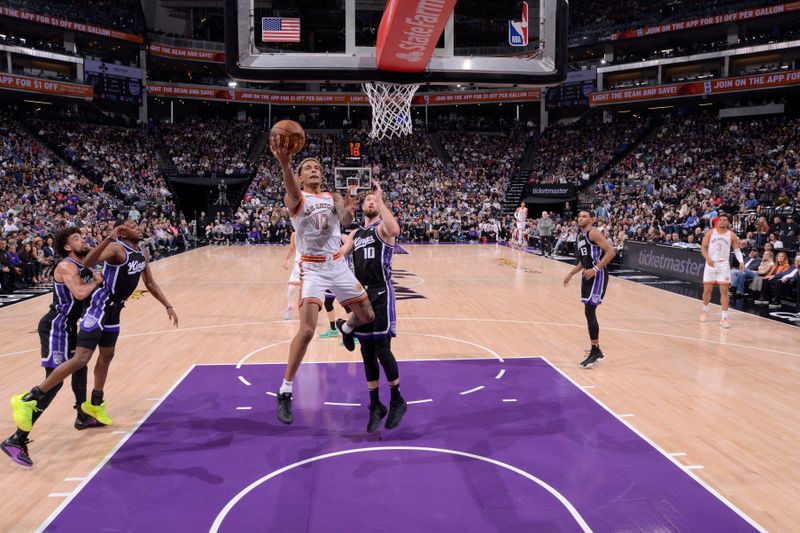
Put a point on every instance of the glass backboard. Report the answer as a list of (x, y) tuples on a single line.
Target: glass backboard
[(486, 43)]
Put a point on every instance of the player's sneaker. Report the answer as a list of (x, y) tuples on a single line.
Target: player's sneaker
[(704, 316), (329, 334), (285, 408), (23, 412), (396, 412), (17, 450), (724, 324), (84, 421), (287, 315), (97, 412), (376, 414), (594, 357), (347, 338)]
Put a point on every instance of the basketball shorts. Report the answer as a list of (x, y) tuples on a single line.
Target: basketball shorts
[(720, 273), (332, 275), (385, 323), (593, 290), (57, 339), (294, 278), (99, 325)]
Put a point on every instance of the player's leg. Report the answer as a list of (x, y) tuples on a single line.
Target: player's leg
[(397, 405), (372, 372), (291, 299), (16, 445), (724, 283), (350, 293), (724, 300), (329, 310), (79, 387), (709, 280), (292, 293), (96, 406), (311, 301), (592, 293)]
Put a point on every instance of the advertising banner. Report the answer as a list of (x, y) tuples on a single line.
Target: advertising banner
[(37, 85), (69, 25), (678, 263)]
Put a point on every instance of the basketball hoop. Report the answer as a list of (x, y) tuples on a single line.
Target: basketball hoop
[(391, 108)]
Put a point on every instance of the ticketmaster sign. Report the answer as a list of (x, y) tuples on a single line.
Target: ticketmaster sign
[(676, 263)]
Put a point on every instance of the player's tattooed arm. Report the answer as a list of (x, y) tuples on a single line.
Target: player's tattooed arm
[(345, 211), (107, 251)]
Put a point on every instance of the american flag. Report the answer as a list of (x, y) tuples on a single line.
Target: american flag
[(280, 29)]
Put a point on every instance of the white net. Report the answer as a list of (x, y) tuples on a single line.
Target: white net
[(391, 108)]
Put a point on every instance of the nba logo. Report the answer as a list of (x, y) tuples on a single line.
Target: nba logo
[(518, 30)]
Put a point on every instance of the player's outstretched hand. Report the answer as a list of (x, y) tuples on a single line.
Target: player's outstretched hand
[(376, 186), (280, 149), (116, 233), (567, 279), (352, 195), (172, 316)]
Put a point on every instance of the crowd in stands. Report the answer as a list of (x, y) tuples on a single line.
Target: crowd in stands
[(122, 15), (574, 153), (592, 18), (40, 194), (702, 47), (671, 180), (210, 147)]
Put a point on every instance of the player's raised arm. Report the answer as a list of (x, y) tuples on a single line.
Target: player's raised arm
[(389, 228), (347, 246), (107, 250), (281, 151), (345, 210)]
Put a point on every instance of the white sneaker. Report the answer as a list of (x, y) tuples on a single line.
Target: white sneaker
[(724, 324), (703, 317)]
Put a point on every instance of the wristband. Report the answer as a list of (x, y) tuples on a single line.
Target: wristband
[(596, 269)]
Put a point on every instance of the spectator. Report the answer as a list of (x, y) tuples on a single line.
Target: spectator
[(740, 278)]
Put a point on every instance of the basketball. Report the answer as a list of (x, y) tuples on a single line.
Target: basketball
[(292, 130)]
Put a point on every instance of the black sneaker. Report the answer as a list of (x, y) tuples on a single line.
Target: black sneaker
[(17, 450), (594, 357), (84, 421), (285, 408), (347, 338), (376, 414), (396, 412)]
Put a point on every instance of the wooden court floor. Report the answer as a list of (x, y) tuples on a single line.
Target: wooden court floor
[(726, 399)]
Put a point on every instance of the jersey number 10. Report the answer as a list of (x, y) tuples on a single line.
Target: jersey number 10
[(369, 253)]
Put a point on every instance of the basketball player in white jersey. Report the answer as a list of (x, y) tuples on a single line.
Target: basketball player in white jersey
[(317, 218), (521, 216), (293, 255), (716, 250)]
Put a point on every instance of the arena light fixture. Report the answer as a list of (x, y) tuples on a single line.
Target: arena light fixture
[(231, 84)]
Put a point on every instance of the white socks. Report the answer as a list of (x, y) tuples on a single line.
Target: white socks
[(705, 309), (347, 328), (724, 315), (286, 386)]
